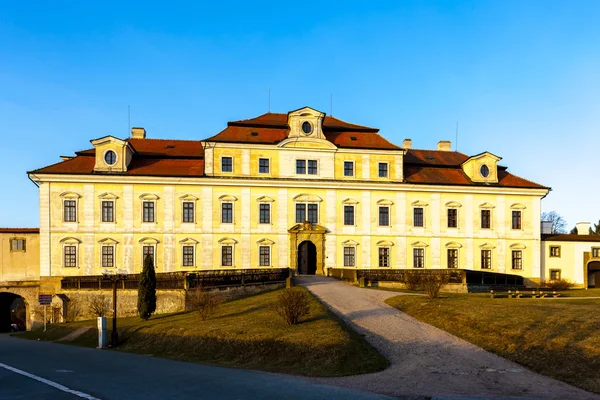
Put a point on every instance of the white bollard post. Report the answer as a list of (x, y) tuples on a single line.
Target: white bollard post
[(101, 332)]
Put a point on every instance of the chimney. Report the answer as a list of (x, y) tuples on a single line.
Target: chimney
[(583, 228), (546, 227), (406, 144), (138, 133), (444, 145)]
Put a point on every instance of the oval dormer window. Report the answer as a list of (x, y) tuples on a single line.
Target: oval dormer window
[(484, 170), (306, 127), (110, 157)]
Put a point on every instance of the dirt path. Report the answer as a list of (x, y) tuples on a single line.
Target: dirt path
[(426, 361)]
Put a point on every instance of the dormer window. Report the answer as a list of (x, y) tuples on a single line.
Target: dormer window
[(307, 128), (484, 171), (110, 157)]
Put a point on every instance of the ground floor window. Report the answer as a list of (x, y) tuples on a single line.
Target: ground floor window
[(349, 256), (419, 257), (227, 256), (517, 259), (452, 258), (264, 256), (486, 259), (148, 251), (554, 274), (384, 256), (70, 256), (108, 256), (188, 256)]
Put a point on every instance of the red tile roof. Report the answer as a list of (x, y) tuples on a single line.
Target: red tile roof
[(434, 157), (20, 230), (168, 148), (570, 238), (278, 120)]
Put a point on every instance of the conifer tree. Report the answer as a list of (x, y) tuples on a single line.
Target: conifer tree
[(147, 289)]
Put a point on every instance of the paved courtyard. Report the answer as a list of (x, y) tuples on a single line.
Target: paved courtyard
[(427, 361)]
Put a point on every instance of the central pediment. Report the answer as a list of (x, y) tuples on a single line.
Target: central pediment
[(306, 130)]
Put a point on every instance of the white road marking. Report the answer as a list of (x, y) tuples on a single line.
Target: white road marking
[(49, 383)]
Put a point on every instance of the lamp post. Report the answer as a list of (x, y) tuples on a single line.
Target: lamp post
[(115, 277)]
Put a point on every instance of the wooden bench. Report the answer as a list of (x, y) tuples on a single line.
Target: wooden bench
[(533, 294)]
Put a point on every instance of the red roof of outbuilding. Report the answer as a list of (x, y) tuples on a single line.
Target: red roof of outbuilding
[(20, 230)]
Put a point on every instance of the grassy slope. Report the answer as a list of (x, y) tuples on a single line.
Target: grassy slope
[(244, 333), (557, 338)]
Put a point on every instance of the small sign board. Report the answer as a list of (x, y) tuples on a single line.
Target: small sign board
[(45, 299)]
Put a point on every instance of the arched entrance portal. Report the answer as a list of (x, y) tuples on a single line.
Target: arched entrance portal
[(593, 274), (13, 312), (307, 258)]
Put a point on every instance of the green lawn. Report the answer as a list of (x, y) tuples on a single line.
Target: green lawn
[(243, 333), (557, 338)]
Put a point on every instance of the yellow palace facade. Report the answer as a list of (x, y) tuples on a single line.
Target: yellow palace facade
[(300, 190)]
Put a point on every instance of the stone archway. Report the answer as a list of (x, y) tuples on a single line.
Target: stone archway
[(14, 312), (593, 274), (307, 258), (313, 233)]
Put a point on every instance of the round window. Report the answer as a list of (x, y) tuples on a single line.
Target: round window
[(306, 127), (110, 157), (485, 171)]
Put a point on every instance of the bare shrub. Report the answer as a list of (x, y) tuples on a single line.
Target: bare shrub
[(433, 282), (74, 309), (558, 284), (412, 280), (205, 303), (99, 305), (292, 305)]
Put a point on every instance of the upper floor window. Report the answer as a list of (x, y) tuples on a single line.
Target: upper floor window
[(517, 259), (108, 256), (263, 165), (348, 215), (384, 256), (452, 258), (516, 219), (307, 212), (419, 257), (384, 216), (110, 157), (452, 218), (226, 164), (304, 167), (148, 211), (17, 244), (349, 256), (383, 170), (70, 210), (554, 274), (486, 259), (595, 251), (188, 211), (264, 211), (554, 251), (300, 167), (486, 219), (227, 213), (418, 216), (348, 168), (312, 167), (108, 211), (70, 256)]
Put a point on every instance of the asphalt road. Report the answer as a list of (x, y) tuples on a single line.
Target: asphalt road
[(106, 374)]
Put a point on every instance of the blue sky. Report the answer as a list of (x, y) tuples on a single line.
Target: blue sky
[(521, 78)]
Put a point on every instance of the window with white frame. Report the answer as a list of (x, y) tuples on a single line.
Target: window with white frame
[(226, 213), (418, 257), (188, 211), (307, 212), (452, 218), (555, 251), (226, 164), (227, 256), (517, 259), (349, 256), (108, 256), (452, 258), (108, 210), (486, 259), (348, 215), (418, 219), (384, 216), (264, 211), (304, 167), (516, 219), (17, 244), (486, 219), (264, 256), (383, 170), (263, 166), (70, 255), (148, 251), (595, 252), (148, 211), (348, 168), (384, 257), (70, 210), (188, 255)]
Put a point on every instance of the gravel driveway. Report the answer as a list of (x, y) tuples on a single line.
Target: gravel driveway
[(426, 361)]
